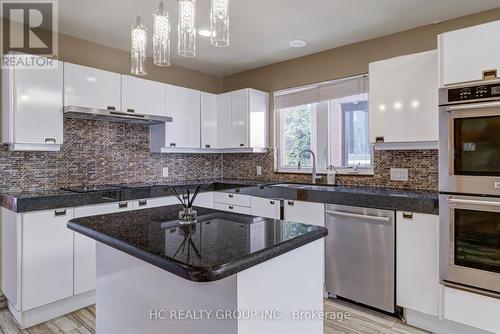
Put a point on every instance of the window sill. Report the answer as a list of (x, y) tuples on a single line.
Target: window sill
[(342, 172)]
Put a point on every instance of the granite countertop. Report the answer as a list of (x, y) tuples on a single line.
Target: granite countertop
[(218, 245), (372, 197)]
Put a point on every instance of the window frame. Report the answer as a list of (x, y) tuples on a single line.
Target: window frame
[(278, 144)]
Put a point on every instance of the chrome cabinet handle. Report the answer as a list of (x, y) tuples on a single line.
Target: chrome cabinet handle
[(230, 195), (207, 146), (60, 212), (122, 205), (473, 202), (49, 140), (143, 202), (408, 215), (272, 202), (173, 145), (291, 203), (111, 108), (131, 110), (242, 145), (358, 216), (231, 207)]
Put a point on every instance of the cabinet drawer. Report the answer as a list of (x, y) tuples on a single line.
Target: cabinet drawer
[(232, 208), (102, 209), (472, 309), (147, 203), (231, 198), (204, 200), (265, 207)]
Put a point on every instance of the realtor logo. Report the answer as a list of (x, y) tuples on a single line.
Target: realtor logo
[(29, 27)]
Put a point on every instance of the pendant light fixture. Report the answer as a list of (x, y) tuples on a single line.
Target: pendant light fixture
[(219, 23), (161, 37), (187, 28), (139, 38)]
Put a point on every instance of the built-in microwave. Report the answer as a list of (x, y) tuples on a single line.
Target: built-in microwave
[(470, 241), (469, 139)]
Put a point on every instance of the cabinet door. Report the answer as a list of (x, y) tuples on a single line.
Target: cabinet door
[(183, 105), (224, 120), (90, 87), (208, 120), (258, 116), (305, 212), (38, 101), (417, 262), (265, 207), (464, 54), (143, 96), (47, 257), (205, 200), (404, 99), (239, 118)]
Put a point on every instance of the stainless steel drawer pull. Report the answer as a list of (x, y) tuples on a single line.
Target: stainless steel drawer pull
[(231, 207), (473, 202), (272, 202), (60, 212), (110, 108), (122, 205), (207, 146), (231, 196), (242, 145), (49, 140), (173, 145), (131, 110), (408, 215), (291, 203), (143, 202), (358, 216)]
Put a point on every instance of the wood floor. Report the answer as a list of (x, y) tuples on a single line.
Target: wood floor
[(361, 321)]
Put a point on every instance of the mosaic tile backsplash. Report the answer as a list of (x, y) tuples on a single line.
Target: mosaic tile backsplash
[(97, 152)]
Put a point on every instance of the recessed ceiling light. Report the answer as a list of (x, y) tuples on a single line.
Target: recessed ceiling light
[(205, 33), (298, 43)]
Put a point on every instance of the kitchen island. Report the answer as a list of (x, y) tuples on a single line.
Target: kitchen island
[(226, 273)]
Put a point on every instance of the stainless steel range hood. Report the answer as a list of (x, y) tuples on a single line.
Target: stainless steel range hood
[(114, 116)]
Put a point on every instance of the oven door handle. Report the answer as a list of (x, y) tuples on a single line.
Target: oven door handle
[(472, 106), (473, 202)]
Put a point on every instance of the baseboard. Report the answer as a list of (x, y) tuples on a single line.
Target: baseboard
[(53, 310), (439, 326)]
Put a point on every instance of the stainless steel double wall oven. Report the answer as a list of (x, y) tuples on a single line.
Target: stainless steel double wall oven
[(469, 184)]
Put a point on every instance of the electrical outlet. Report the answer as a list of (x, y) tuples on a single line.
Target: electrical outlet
[(165, 171), (259, 170), (399, 174)]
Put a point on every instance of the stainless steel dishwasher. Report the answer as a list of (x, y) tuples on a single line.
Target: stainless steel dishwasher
[(360, 255)]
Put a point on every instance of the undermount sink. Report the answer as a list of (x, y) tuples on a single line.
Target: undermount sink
[(304, 186)]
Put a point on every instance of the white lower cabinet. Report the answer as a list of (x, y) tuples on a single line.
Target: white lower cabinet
[(47, 257), (265, 207), (471, 309), (148, 203), (232, 198), (232, 208), (417, 262), (204, 200), (305, 212)]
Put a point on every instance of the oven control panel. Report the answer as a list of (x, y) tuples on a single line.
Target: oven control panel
[(474, 93)]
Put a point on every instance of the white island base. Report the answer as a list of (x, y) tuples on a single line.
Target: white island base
[(135, 297)]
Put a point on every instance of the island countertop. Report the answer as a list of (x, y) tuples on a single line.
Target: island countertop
[(218, 245)]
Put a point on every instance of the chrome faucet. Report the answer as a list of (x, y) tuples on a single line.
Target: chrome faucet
[(313, 156), (355, 169)]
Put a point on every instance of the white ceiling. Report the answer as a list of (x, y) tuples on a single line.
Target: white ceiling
[(261, 29)]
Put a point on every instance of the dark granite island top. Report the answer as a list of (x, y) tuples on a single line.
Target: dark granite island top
[(218, 245)]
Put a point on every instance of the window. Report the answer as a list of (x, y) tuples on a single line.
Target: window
[(330, 119)]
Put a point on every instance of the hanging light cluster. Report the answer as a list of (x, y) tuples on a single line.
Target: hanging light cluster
[(186, 33)]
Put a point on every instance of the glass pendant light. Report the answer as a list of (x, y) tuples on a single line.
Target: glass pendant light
[(219, 23), (161, 37), (187, 28), (139, 38)]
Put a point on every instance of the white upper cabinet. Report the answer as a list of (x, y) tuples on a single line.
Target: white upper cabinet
[(240, 104), (464, 54), (208, 120), (142, 96), (224, 120), (183, 104), (404, 99), (90, 87), (243, 119), (31, 98)]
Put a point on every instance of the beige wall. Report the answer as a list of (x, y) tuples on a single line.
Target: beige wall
[(83, 52), (348, 60)]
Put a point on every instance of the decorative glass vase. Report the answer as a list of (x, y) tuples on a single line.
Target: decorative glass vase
[(187, 216)]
